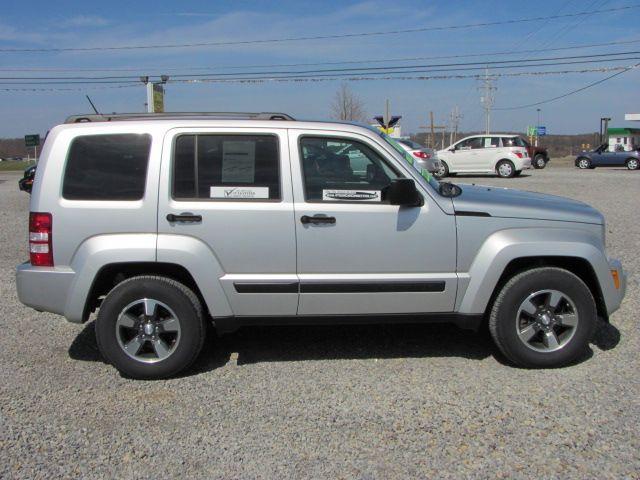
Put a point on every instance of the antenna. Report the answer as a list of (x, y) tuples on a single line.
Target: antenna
[(488, 90), (92, 105)]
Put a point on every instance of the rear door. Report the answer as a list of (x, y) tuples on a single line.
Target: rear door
[(230, 188), (356, 253)]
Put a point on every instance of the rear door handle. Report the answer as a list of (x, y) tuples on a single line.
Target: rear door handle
[(184, 217), (317, 220)]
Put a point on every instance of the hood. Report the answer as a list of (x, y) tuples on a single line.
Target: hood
[(507, 202)]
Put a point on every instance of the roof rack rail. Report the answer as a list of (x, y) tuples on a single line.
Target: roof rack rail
[(114, 117)]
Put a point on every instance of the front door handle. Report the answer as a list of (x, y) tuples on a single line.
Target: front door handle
[(184, 217), (317, 220)]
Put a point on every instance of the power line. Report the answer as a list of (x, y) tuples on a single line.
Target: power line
[(573, 91), (346, 62), (317, 37), (326, 79), (498, 64)]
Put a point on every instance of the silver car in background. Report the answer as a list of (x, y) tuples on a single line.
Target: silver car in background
[(424, 157)]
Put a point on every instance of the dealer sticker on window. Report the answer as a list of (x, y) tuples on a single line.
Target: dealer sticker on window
[(352, 195), (239, 192)]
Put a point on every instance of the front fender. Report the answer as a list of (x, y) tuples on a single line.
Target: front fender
[(500, 248)]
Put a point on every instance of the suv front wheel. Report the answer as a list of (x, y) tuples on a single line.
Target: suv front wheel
[(150, 327), (543, 318)]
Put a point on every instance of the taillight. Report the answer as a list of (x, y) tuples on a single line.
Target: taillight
[(421, 154), (40, 232), (519, 154)]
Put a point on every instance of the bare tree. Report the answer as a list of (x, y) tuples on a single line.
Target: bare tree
[(347, 105)]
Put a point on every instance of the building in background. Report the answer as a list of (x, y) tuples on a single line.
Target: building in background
[(623, 139)]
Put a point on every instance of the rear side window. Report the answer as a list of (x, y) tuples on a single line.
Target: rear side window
[(513, 142), (107, 167), (226, 167)]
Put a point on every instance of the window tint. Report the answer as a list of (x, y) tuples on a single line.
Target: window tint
[(352, 172), (239, 167), (470, 143), (513, 142), (491, 142), (107, 167)]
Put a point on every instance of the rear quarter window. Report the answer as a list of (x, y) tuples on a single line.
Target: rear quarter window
[(107, 167)]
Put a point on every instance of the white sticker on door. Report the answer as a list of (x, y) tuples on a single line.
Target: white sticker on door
[(238, 161), (352, 195), (239, 192)]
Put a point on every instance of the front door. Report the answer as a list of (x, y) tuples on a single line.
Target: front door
[(356, 253), (230, 189)]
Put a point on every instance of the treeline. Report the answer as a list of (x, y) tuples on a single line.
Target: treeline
[(14, 147), (557, 145)]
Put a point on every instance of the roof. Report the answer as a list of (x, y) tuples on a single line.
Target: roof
[(117, 117), (623, 131)]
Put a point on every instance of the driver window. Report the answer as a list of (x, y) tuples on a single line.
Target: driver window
[(464, 145), (337, 169)]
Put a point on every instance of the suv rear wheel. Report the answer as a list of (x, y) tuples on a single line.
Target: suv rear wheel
[(543, 318), (505, 169), (539, 161), (150, 327)]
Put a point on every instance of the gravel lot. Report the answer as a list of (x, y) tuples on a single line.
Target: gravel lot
[(326, 402)]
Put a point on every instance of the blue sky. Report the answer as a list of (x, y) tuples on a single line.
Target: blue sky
[(65, 23)]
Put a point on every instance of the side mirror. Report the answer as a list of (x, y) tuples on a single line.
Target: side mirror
[(452, 150), (403, 192)]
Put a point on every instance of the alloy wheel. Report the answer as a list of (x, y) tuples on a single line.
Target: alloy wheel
[(148, 330), (546, 321)]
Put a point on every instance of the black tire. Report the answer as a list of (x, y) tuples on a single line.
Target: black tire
[(632, 163), (181, 300), (539, 161), (508, 170), (503, 321), (583, 163), (444, 170)]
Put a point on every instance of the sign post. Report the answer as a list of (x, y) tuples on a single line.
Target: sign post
[(32, 141)]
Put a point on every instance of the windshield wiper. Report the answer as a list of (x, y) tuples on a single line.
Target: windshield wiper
[(448, 189)]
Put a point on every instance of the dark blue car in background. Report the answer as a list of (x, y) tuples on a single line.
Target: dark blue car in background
[(602, 157)]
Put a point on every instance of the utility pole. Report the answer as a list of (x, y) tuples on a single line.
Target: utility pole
[(488, 95), (431, 129), (455, 123), (155, 93)]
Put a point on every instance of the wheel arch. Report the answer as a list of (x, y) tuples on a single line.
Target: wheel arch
[(580, 267), (508, 252), (111, 275)]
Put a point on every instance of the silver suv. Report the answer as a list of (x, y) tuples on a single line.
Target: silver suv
[(163, 223)]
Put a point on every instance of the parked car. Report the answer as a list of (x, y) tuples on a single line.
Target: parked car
[(602, 157), (539, 155), (422, 158), (496, 153), (165, 226), (26, 182)]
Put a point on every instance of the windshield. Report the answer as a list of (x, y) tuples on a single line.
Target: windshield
[(409, 158)]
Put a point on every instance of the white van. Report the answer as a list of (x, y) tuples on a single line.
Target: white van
[(497, 153)]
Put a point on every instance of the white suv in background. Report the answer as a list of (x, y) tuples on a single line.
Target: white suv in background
[(496, 153)]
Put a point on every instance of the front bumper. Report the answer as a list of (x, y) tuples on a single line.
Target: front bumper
[(614, 296)]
